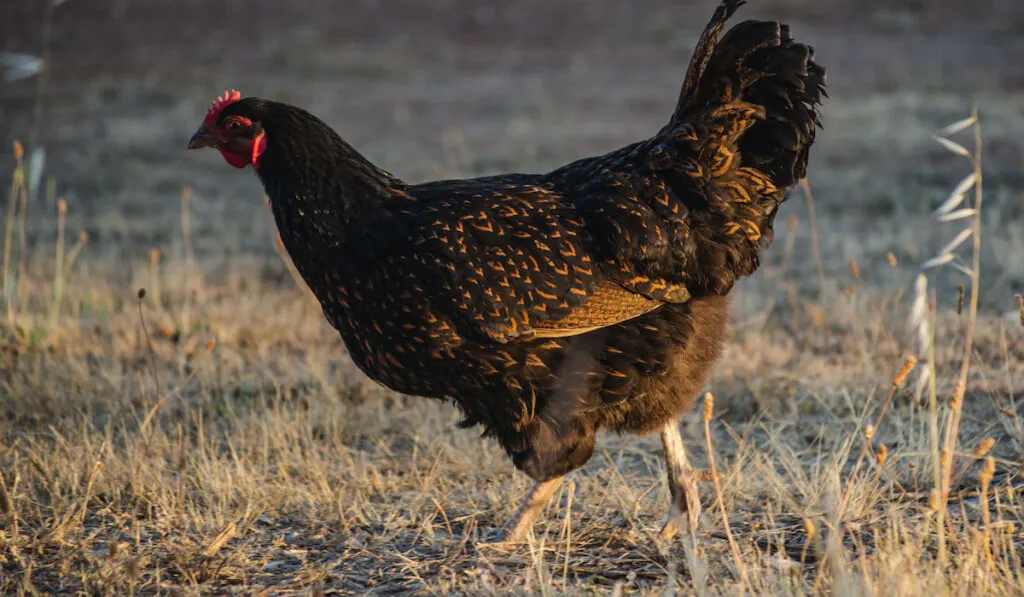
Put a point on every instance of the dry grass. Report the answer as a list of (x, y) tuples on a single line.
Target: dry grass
[(209, 436)]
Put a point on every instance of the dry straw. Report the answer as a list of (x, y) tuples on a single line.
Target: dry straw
[(956, 208), (709, 407)]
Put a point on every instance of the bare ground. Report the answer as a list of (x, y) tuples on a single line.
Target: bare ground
[(266, 463)]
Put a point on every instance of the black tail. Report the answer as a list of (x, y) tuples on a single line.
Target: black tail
[(748, 113), (758, 90), (702, 53)]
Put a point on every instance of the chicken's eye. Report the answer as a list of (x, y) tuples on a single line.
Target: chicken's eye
[(233, 125)]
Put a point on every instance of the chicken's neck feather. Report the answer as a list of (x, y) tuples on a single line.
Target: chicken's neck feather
[(324, 194)]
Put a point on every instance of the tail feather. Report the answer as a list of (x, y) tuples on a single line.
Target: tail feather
[(703, 52), (749, 107), (755, 91)]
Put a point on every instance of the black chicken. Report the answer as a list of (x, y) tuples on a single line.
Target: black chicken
[(549, 306)]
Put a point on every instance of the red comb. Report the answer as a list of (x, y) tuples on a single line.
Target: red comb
[(220, 103)]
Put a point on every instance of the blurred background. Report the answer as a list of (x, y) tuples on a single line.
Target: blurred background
[(467, 87)]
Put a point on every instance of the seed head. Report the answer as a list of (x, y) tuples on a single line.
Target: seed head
[(854, 269), (958, 397), (810, 529), (988, 471), (709, 406), (983, 447), (908, 366)]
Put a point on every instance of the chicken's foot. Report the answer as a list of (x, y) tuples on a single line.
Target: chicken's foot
[(518, 527), (682, 485)]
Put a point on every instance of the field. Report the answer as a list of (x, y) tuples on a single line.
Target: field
[(177, 417)]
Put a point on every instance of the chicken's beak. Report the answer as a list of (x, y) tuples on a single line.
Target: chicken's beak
[(204, 137)]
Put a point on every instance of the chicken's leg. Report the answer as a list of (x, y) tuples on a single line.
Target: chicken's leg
[(682, 484), (516, 529)]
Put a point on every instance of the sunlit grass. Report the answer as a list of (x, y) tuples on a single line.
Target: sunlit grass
[(176, 440)]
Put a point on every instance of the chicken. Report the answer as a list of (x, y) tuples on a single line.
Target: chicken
[(550, 306)]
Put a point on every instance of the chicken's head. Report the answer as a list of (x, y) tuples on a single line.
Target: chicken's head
[(233, 130)]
